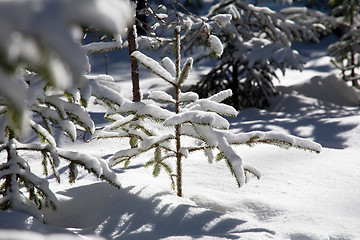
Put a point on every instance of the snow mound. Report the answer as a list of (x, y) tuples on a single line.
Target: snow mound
[(328, 89)]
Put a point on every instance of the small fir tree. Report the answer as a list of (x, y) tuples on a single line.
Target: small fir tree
[(345, 52), (192, 117), (257, 44), (41, 71)]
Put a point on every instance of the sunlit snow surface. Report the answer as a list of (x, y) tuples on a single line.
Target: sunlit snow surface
[(301, 195)]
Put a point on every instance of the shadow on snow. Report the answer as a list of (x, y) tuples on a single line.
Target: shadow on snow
[(314, 110), (128, 213)]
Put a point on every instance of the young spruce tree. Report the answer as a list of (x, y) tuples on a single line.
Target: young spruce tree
[(257, 43), (192, 117), (346, 51), (44, 92)]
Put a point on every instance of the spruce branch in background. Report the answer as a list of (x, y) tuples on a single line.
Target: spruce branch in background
[(257, 43), (346, 51), (191, 117)]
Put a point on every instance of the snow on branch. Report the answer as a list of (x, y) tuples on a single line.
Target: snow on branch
[(211, 106), (104, 93), (140, 108), (149, 142), (185, 71), (274, 138), (124, 156), (221, 96), (160, 95), (43, 133), (188, 97), (222, 19), (95, 165), (208, 118), (101, 47), (216, 45), (169, 66), (153, 66), (75, 112)]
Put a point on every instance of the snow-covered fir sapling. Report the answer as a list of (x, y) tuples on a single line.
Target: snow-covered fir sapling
[(44, 92), (257, 44), (345, 52), (199, 119)]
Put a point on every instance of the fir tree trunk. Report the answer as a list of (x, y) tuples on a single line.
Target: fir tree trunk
[(178, 162), (9, 178), (354, 81), (9, 157), (235, 86), (178, 143), (177, 110), (141, 18), (178, 146), (134, 65)]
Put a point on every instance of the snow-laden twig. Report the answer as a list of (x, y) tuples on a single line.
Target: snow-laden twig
[(153, 66)]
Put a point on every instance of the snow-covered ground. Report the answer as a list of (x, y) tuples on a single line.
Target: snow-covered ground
[(301, 195)]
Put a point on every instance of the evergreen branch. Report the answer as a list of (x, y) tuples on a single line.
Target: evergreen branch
[(188, 97), (273, 138), (185, 71), (118, 124), (209, 154), (125, 160), (219, 156), (198, 117), (72, 172), (141, 109), (194, 149), (49, 115), (156, 170), (74, 112), (253, 170), (92, 164), (101, 91), (154, 141), (44, 163), (153, 66), (101, 47), (124, 155), (40, 184), (42, 133), (162, 96), (229, 165), (286, 145), (214, 10), (157, 167)]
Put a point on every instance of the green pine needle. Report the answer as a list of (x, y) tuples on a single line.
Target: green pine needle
[(156, 170), (219, 156)]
